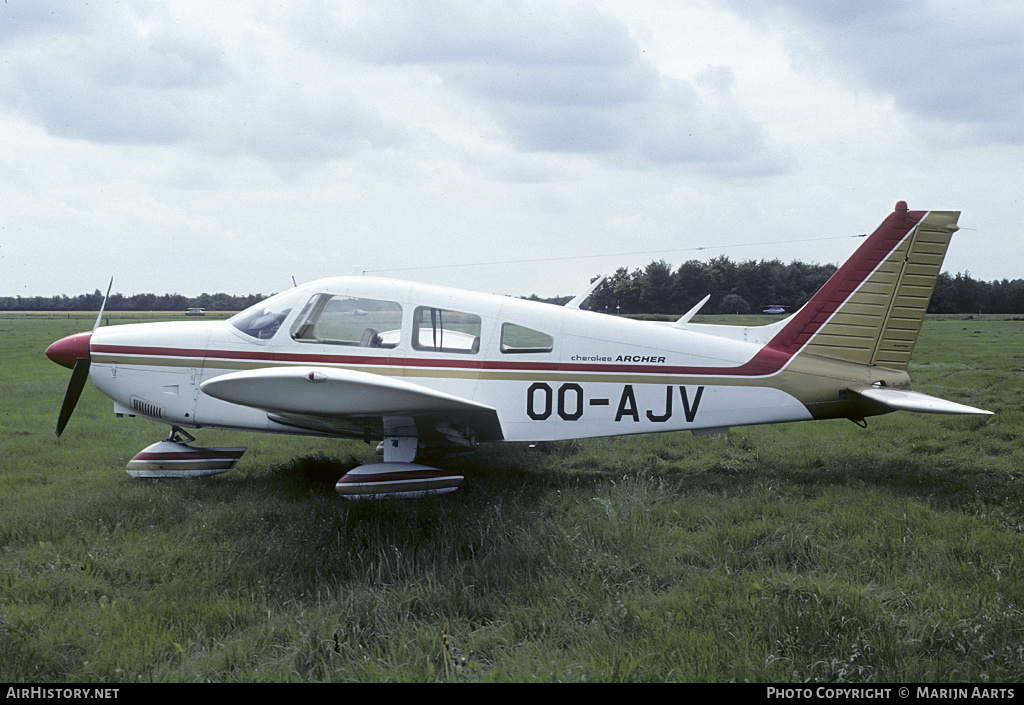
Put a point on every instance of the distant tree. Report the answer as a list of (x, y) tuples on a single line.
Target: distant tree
[(734, 303), (656, 289), (620, 293)]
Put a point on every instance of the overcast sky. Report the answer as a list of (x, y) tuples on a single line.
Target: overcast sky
[(188, 147)]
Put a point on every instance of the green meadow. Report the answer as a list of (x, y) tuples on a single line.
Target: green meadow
[(806, 552)]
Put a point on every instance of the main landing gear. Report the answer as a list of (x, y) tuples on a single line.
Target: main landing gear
[(398, 475)]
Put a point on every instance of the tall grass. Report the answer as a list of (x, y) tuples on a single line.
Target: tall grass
[(819, 551)]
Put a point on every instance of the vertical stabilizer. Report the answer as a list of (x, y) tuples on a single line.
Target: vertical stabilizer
[(871, 310)]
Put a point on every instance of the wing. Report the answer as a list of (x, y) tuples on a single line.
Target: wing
[(906, 400), (348, 402)]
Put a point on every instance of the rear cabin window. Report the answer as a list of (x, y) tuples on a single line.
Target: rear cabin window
[(443, 330), (516, 339), (346, 320)]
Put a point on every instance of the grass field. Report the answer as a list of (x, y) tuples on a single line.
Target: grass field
[(817, 551)]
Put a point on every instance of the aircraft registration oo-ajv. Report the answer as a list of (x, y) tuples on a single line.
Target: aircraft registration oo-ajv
[(428, 370)]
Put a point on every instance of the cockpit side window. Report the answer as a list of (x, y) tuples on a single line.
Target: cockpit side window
[(517, 339), (347, 320), (442, 330)]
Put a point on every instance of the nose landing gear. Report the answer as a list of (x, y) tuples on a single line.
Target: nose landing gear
[(174, 457)]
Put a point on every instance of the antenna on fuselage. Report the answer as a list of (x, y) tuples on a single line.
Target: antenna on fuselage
[(578, 301), (103, 305), (691, 313)]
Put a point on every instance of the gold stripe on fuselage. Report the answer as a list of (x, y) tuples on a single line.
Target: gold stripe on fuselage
[(809, 378)]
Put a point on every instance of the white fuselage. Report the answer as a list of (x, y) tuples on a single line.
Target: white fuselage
[(549, 372)]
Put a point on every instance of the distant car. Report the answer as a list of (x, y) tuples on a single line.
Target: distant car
[(774, 309), (195, 312)]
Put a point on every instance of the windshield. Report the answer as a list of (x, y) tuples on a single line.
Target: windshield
[(264, 319)]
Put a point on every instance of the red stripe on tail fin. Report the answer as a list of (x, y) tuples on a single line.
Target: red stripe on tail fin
[(870, 311)]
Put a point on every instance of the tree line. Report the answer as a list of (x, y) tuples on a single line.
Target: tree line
[(735, 287), (752, 286), (136, 302)]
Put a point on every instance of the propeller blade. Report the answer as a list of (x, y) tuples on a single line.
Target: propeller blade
[(73, 352), (79, 375)]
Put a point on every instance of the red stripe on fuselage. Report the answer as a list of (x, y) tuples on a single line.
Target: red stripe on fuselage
[(766, 362)]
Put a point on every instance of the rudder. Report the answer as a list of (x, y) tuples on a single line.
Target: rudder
[(915, 283)]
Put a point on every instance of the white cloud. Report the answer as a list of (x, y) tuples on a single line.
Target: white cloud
[(194, 146), (561, 77), (954, 63), (135, 75)]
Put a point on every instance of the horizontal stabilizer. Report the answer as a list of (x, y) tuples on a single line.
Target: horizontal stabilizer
[(906, 400)]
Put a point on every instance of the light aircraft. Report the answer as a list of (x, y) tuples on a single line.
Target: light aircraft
[(427, 370)]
